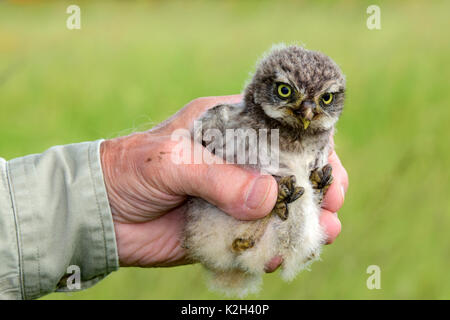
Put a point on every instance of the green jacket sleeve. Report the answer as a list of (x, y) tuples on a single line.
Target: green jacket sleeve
[(54, 219)]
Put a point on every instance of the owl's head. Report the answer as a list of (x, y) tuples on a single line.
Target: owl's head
[(300, 88)]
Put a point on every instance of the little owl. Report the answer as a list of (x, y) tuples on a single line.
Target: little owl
[(300, 93)]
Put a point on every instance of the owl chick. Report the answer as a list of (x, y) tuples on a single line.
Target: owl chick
[(299, 94)]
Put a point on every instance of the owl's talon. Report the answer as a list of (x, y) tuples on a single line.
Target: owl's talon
[(298, 192), (241, 244), (321, 180), (288, 181), (287, 193), (281, 210), (283, 193)]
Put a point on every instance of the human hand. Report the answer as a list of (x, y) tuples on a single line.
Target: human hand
[(147, 191)]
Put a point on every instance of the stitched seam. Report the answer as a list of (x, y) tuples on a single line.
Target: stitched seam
[(18, 233), (98, 207), (37, 244)]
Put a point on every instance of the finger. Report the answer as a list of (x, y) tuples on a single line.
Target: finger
[(153, 243), (335, 195), (332, 225), (242, 193), (193, 110), (273, 264)]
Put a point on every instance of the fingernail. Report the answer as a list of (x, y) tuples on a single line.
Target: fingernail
[(343, 192), (257, 193)]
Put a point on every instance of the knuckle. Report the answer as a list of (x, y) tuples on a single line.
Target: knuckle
[(200, 101)]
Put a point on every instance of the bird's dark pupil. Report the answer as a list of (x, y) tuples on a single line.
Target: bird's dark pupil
[(284, 90), (326, 97)]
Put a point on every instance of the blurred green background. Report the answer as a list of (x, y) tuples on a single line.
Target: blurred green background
[(133, 64)]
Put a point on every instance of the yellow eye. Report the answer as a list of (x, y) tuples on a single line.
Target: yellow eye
[(327, 98), (284, 91)]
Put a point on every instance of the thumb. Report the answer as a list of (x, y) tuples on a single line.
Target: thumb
[(243, 194)]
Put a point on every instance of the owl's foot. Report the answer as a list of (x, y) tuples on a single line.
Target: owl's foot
[(240, 244), (321, 180), (287, 193)]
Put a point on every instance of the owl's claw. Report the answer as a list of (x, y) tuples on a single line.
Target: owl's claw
[(281, 210), (298, 192), (287, 192), (321, 180), (240, 244)]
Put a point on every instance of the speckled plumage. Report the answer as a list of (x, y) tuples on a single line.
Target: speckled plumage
[(209, 232)]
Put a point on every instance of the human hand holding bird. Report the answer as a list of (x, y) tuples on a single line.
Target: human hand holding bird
[(149, 224)]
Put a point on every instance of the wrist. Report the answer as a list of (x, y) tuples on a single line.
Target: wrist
[(115, 160)]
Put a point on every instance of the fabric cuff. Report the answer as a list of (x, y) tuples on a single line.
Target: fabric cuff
[(63, 219)]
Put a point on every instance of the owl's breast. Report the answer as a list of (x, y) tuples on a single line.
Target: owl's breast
[(301, 158)]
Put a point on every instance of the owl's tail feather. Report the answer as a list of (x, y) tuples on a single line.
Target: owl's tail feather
[(234, 283)]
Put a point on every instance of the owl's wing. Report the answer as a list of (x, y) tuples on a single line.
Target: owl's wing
[(220, 117), (210, 129)]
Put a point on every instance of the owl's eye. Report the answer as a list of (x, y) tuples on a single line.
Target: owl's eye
[(327, 98), (284, 91)]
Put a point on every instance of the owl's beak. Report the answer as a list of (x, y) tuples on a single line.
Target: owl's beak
[(307, 113)]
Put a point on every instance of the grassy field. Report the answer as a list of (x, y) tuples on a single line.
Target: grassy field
[(133, 64)]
